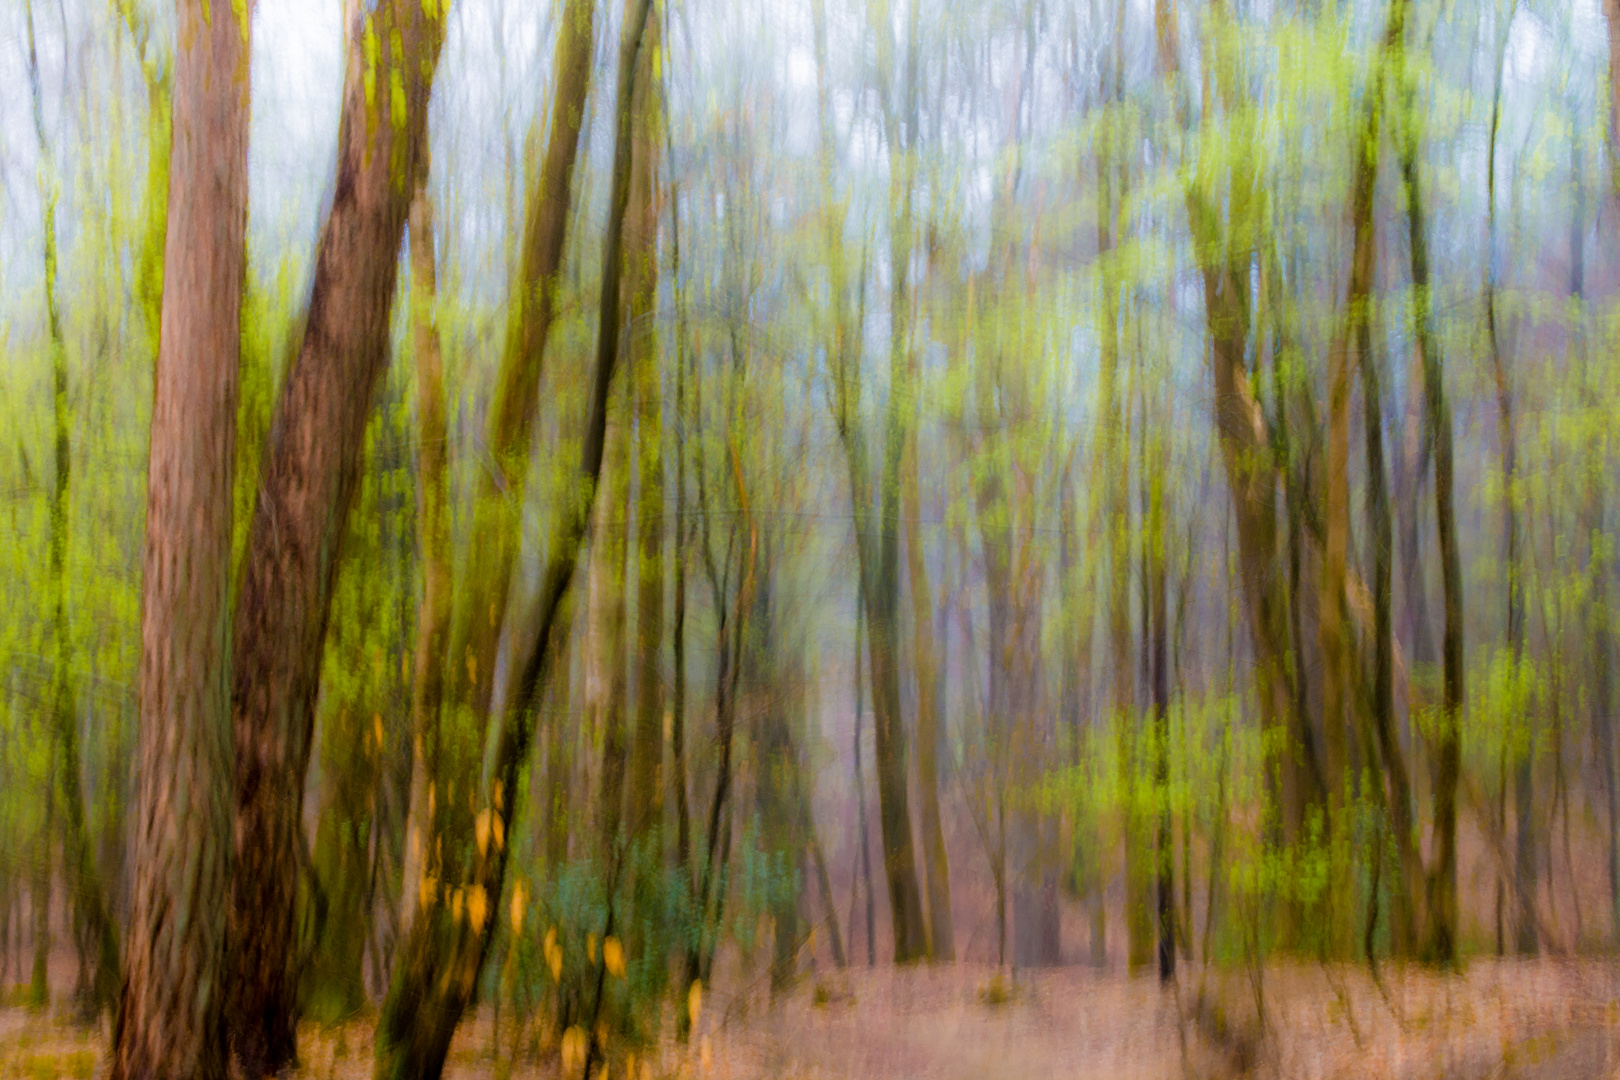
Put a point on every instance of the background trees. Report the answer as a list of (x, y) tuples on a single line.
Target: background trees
[(1180, 430)]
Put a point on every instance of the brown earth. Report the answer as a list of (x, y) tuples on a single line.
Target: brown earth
[(1532, 1020)]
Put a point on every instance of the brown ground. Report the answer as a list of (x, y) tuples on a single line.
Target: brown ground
[(1538, 1020)]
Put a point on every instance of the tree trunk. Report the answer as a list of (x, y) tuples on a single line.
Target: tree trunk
[(1241, 427), (1524, 867), (170, 1021), (1602, 631), (862, 869), (1440, 890), (433, 617), (1333, 626), (936, 862), (677, 709), (605, 681), (92, 924), (441, 959), (311, 473), (1156, 571), (641, 269)]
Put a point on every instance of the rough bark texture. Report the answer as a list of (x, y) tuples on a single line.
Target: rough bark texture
[(170, 1022), (311, 474)]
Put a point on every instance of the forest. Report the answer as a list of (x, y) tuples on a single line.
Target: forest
[(705, 538)]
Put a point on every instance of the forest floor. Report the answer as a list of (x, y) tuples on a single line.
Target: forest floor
[(1533, 1020)]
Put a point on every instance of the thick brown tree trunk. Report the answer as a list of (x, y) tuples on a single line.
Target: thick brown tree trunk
[(170, 1022), (311, 472)]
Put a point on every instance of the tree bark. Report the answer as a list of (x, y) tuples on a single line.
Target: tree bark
[(311, 474), (170, 1021)]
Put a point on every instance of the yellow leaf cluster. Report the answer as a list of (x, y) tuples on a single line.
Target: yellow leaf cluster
[(553, 953), (517, 908), (694, 1001), (573, 1051), (613, 957)]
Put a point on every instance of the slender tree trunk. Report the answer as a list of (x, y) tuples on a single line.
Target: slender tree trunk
[(39, 899), (936, 863), (440, 961), (433, 617), (678, 762), (877, 540), (312, 469), (1241, 426), (39, 991), (1113, 484), (1333, 625), (1524, 866), (170, 1021), (1602, 628), (1157, 615), (641, 269), (610, 558), (862, 871), (1440, 891), (92, 924)]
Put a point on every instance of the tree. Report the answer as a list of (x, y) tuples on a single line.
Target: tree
[(170, 1019), (434, 976), (310, 477)]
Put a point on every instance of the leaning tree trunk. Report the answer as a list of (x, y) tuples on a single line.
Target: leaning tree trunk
[(311, 473), (433, 616), (439, 962), (170, 1020)]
